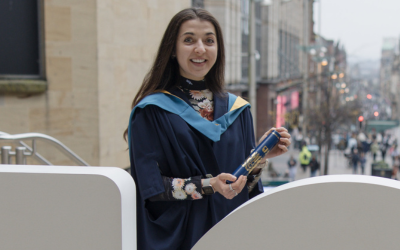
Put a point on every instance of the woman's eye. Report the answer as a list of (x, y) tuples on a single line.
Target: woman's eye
[(188, 40), (210, 40)]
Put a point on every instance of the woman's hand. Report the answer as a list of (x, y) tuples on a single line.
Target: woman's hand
[(281, 147), (220, 186)]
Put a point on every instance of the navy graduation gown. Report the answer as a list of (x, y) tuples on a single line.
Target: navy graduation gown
[(162, 143)]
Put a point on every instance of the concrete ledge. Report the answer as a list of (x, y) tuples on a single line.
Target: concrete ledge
[(329, 212), (22, 86), (67, 207)]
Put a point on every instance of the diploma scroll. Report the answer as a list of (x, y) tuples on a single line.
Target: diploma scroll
[(261, 150)]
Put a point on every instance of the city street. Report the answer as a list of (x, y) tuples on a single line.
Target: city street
[(338, 164)]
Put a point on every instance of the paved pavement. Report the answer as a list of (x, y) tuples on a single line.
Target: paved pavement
[(338, 164)]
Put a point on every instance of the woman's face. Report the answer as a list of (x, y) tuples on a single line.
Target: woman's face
[(196, 48)]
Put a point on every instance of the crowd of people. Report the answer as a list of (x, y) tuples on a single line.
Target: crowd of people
[(356, 147), (378, 145)]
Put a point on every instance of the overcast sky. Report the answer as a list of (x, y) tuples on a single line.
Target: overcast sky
[(360, 25)]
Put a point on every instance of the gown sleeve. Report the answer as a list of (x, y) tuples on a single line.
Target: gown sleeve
[(145, 152), (180, 189), (148, 154)]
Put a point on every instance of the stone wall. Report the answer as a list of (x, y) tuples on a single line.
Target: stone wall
[(129, 34), (97, 53)]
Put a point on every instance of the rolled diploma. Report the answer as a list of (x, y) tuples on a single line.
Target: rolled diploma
[(261, 150)]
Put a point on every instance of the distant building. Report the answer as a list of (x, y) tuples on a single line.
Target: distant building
[(389, 89), (280, 35)]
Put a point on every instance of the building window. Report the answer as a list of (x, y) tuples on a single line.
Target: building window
[(245, 39), (20, 39), (258, 29), (245, 12), (198, 3), (288, 55)]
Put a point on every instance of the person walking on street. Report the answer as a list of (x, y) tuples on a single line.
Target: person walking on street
[(396, 165), (362, 162), (292, 168), (385, 146), (314, 166), (298, 139), (394, 153), (304, 157), (355, 158), (374, 149)]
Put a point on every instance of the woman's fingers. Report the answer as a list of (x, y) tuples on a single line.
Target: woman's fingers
[(226, 177), (285, 141), (229, 191), (281, 129), (238, 186)]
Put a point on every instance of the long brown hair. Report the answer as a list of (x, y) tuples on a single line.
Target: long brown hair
[(165, 70)]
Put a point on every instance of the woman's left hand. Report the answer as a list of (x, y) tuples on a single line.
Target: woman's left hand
[(283, 144)]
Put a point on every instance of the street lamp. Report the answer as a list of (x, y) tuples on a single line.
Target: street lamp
[(252, 61)]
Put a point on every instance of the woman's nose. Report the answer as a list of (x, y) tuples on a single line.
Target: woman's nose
[(200, 47)]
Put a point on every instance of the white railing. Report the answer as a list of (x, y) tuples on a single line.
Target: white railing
[(23, 150)]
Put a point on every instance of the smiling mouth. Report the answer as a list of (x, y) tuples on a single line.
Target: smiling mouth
[(198, 60)]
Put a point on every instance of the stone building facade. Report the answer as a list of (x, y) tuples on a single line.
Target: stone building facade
[(286, 29), (95, 55)]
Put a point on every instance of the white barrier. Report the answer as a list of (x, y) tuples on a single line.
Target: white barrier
[(330, 212), (64, 208)]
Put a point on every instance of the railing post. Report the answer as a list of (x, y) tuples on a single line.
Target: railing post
[(5, 154), (20, 158)]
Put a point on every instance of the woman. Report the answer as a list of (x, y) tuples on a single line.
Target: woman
[(363, 160), (314, 167), (186, 135), (396, 165), (292, 168), (374, 149), (355, 159)]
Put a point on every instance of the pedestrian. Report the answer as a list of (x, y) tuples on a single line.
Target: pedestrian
[(292, 168), (186, 135), (360, 146), (384, 145), (298, 139), (355, 159), (304, 157), (394, 153), (396, 165), (352, 143), (394, 143), (363, 160), (314, 166), (374, 149)]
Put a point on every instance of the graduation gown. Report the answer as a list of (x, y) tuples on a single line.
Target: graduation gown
[(163, 143)]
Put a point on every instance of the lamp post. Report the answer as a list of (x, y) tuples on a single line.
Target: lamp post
[(306, 35), (252, 63)]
